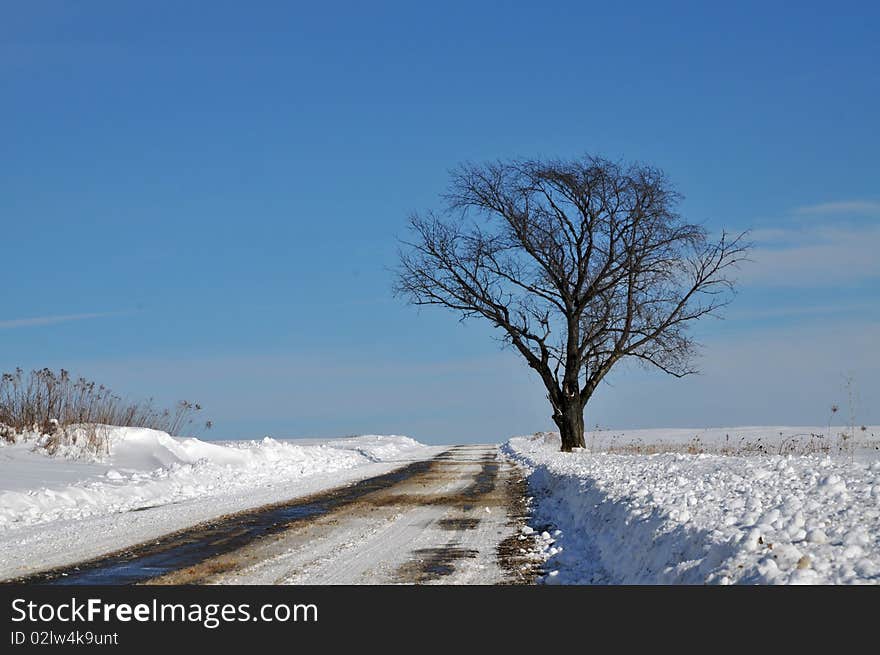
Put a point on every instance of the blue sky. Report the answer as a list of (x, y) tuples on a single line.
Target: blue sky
[(201, 200)]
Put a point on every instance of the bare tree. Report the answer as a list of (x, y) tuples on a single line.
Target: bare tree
[(579, 263)]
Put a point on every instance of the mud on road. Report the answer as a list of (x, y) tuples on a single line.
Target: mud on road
[(453, 519)]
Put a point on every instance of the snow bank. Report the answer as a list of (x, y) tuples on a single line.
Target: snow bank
[(674, 518), (148, 468)]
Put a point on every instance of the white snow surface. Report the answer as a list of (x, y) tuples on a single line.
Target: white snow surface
[(678, 518), (860, 442), (61, 509)]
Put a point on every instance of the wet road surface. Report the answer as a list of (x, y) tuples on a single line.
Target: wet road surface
[(453, 519)]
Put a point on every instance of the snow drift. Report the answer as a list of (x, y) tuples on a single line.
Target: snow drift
[(147, 468), (674, 518)]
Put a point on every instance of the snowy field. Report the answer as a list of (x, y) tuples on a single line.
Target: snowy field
[(629, 513), (761, 505), (62, 509)]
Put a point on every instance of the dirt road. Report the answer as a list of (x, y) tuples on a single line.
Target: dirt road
[(453, 519)]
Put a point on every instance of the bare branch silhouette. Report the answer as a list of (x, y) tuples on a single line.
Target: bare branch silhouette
[(579, 264)]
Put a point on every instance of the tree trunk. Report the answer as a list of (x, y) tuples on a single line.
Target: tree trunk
[(571, 425)]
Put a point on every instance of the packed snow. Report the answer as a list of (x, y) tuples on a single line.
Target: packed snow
[(765, 505), (679, 518), (74, 504)]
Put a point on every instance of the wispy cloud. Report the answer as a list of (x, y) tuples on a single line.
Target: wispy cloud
[(52, 320), (815, 256), (789, 310), (759, 377), (841, 207)]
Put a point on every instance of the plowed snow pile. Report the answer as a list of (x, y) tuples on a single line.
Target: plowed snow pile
[(673, 518), (65, 508), (147, 468)]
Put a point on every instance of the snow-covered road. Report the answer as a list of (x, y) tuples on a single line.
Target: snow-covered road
[(442, 525), (57, 511), (769, 504), (450, 519)]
